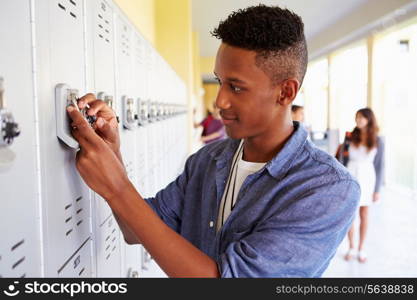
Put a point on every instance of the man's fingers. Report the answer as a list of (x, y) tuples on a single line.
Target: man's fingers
[(98, 106), (84, 132), (104, 128), (86, 99)]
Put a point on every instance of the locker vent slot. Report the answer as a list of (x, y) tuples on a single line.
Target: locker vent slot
[(79, 222), (78, 199), (15, 250), (73, 15), (73, 2), (67, 220), (110, 243), (68, 232), (80, 210), (61, 6), (68, 206), (104, 31), (17, 245), (125, 43), (18, 262)]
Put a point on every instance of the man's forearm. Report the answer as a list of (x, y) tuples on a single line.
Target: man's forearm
[(174, 254), (128, 234)]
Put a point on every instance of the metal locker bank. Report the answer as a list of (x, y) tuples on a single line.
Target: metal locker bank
[(53, 225)]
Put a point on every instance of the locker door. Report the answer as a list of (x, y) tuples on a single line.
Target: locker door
[(127, 97), (131, 254), (100, 33), (66, 199), (20, 248), (127, 101)]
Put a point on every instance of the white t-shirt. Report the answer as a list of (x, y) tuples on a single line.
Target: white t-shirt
[(239, 171)]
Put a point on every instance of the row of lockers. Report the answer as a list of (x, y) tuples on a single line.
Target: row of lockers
[(51, 53)]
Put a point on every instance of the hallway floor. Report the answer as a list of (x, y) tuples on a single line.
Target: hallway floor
[(391, 243)]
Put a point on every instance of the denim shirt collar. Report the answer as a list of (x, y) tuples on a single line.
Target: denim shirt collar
[(279, 165)]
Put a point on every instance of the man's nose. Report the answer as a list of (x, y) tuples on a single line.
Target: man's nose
[(222, 101)]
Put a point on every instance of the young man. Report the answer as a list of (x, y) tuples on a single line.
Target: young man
[(263, 203)]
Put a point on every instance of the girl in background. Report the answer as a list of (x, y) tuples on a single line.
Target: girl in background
[(365, 163)]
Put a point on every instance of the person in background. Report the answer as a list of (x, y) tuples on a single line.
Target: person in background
[(213, 128), (363, 155), (297, 113)]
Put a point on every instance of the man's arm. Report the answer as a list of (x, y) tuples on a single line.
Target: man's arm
[(173, 253), (103, 172), (129, 236)]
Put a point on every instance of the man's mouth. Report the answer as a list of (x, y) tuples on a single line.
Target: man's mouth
[(228, 119)]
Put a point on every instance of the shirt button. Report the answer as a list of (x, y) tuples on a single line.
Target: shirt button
[(211, 224)]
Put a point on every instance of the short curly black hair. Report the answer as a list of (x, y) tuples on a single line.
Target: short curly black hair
[(274, 33)]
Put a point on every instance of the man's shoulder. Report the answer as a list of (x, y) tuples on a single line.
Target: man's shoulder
[(321, 164)]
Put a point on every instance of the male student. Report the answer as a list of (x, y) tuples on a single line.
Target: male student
[(264, 202)]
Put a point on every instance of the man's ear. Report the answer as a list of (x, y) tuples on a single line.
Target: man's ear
[(288, 91)]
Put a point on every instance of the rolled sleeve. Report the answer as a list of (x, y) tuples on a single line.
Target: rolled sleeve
[(297, 241)]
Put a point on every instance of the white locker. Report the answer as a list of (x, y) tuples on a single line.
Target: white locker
[(100, 70), (66, 48), (131, 254), (66, 199), (127, 96), (20, 248)]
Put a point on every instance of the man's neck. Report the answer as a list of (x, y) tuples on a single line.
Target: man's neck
[(265, 147)]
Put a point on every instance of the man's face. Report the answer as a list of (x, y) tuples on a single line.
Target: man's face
[(246, 98)]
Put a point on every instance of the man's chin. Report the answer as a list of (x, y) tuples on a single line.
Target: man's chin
[(233, 134)]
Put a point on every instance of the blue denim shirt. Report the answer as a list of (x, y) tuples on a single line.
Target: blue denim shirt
[(289, 217)]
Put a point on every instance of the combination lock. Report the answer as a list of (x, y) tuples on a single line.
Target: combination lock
[(152, 111), (64, 97), (143, 112), (109, 101), (129, 113), (9, 129)]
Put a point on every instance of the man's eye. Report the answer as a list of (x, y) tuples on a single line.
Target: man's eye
[(235, 88)]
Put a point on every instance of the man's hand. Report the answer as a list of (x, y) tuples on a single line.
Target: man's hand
[(376, 197), (106, 125), (96, 161)]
